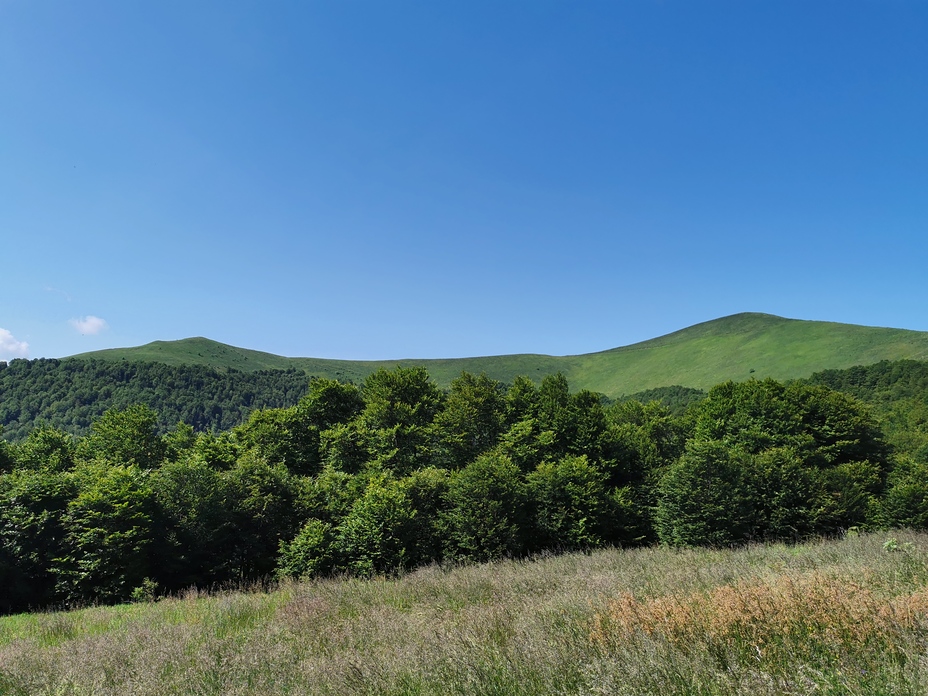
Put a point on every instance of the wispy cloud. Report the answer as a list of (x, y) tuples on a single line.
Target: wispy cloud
[(49, 288), (11, 348), (89, 325)]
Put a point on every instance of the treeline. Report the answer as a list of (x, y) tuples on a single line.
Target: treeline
[(888, 380), (396, 473), (71, 394), (676, 398), (898, 393)]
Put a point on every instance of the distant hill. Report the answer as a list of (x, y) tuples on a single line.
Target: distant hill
[(737, 347)]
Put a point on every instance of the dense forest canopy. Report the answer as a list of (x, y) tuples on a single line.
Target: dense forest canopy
[(396, 472), (897, 391), (70, 394), (676, 398)]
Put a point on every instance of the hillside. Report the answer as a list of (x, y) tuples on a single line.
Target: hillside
[(737, 347)]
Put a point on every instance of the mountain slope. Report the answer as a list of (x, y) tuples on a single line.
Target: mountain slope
[(737, 347)]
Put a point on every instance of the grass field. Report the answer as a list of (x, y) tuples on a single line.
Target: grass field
[(737, 347), (836, 617)]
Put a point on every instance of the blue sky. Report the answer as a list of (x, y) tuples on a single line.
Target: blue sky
[(438, 179)]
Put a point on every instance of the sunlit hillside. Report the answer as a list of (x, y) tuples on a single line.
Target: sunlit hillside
[(737, 347)]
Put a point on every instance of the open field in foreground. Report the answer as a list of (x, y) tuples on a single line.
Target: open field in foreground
[(838, 617)]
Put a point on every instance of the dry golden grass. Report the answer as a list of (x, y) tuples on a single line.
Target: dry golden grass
[(843, 617), (790, 614)]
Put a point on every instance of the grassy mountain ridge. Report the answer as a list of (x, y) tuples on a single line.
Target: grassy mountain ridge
[(736, 347)]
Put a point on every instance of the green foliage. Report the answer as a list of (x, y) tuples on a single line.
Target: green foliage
[(331, 495), (262, 499), (525, 444), (576, 421), (281, 436), (472, 419), (71, 394), (348, 447), (905, 423), (7, 457), (880, 382), (631, 513), (644, 439), (46, 449), (198, 526), (127, 436), (309, 554), (396, 475), (572, 506), (32, 507), (488, 510), (828, 428), (427, 491), (550, 423), (108, 535), (217, 451), (787, 498), (555, 411), (329, 403), (675, 399), (403, 397), (702, 498), (905, 503), (179, 441), (400, 406), (587, 433), (898, 393), (752, 416), (292, 436), (831, 434), (374, 535), (851, 489), (843, 430), (522, 400)]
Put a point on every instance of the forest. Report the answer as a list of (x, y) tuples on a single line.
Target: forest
[(396, 473), (70, 394)]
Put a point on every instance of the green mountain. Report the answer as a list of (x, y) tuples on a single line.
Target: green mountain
[(737, 347)]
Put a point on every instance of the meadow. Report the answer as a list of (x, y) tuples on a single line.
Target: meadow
[(846, 616), (736, 347)]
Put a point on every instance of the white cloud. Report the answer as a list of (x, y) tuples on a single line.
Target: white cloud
[(11, 348), (89, 325), (49, 288)]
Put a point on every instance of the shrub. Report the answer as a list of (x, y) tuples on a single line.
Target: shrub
[(571, 505), (309, 554), (488, 514), (373, 537), (701, 498), (108, 535)]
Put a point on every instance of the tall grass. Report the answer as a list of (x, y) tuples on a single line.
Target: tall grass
[(838, 617)]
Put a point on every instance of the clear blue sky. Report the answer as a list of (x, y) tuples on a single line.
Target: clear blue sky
[(375, 179)]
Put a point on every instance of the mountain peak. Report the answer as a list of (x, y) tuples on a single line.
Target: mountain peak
[(737, 347)]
